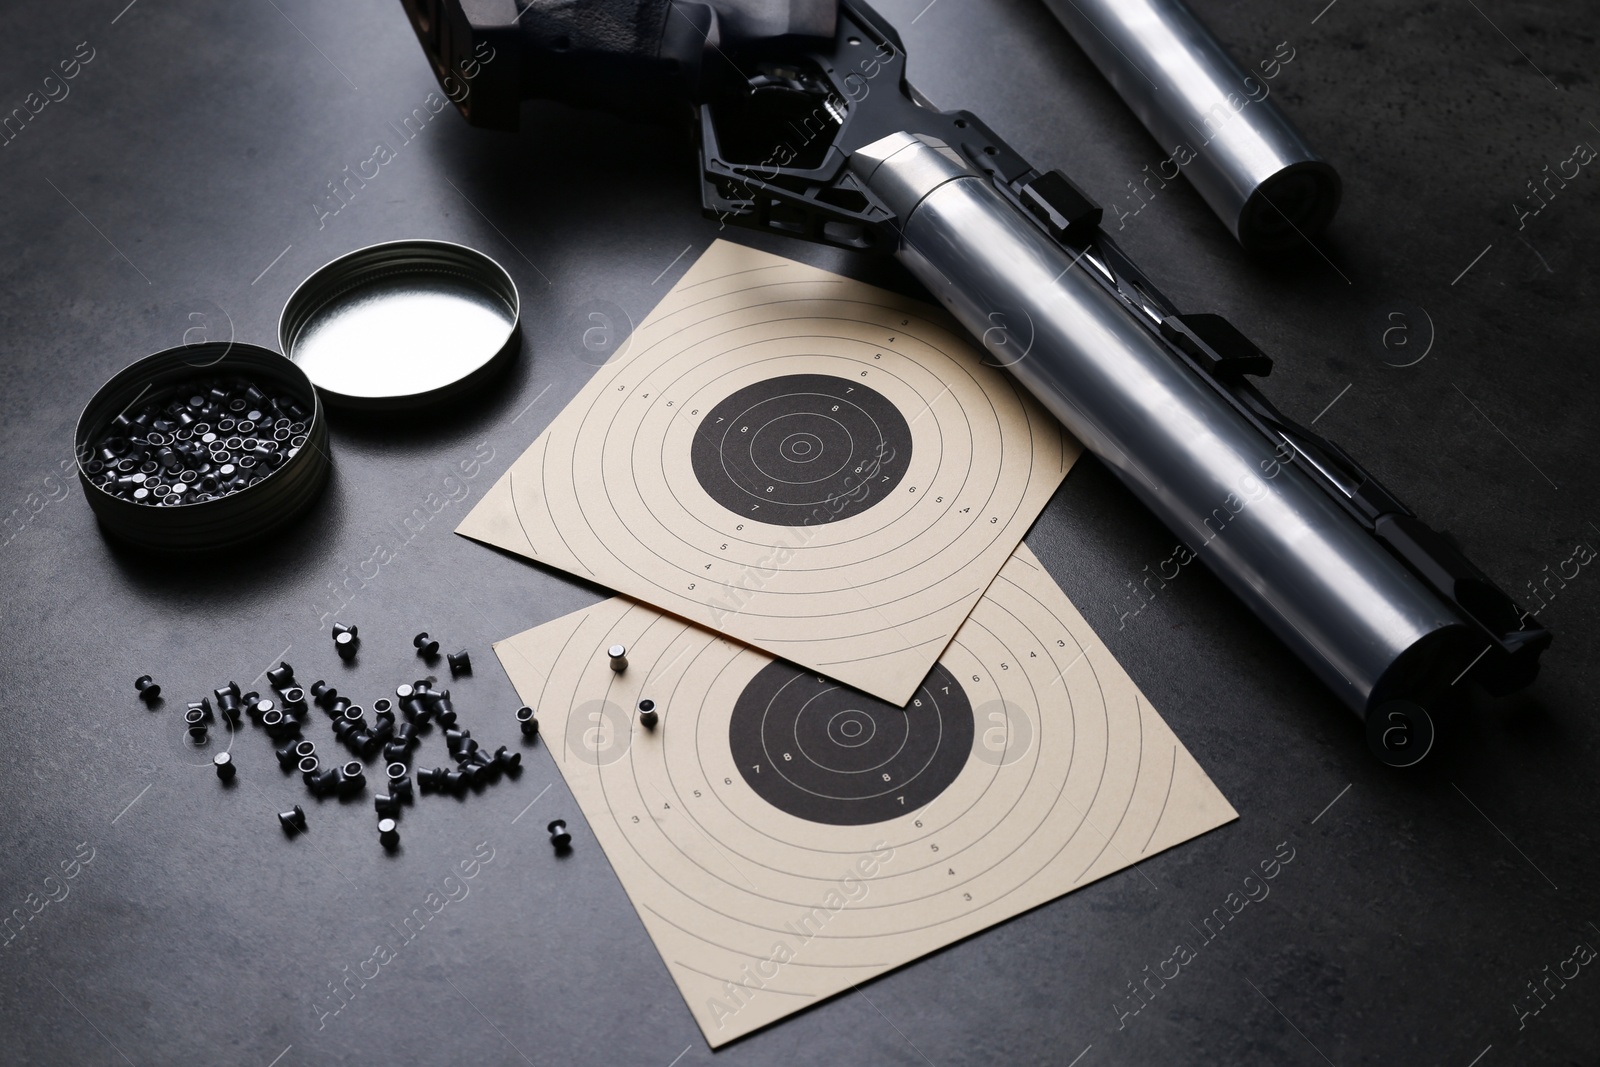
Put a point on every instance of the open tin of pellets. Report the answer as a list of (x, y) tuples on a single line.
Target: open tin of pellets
[(203, 447), (402, 325)]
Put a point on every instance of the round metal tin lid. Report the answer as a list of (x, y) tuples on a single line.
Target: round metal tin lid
[(402, 324)]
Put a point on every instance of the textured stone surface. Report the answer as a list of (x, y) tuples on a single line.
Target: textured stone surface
[(191, 153)]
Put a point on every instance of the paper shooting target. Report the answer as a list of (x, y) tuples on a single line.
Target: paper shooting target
[(822, 469), (769, 857)]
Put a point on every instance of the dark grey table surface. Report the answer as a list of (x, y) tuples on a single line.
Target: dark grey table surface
[(181, 176)]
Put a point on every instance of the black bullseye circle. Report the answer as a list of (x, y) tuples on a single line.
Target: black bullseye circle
[(830, 754), (801, 450)]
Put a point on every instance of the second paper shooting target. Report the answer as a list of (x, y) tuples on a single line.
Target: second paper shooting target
[(785, 838)]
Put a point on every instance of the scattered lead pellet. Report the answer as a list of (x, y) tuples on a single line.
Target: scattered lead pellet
[(526, 721)]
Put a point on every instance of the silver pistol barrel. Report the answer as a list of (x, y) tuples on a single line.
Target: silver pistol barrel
[(1217, 121), (1348, 608)]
